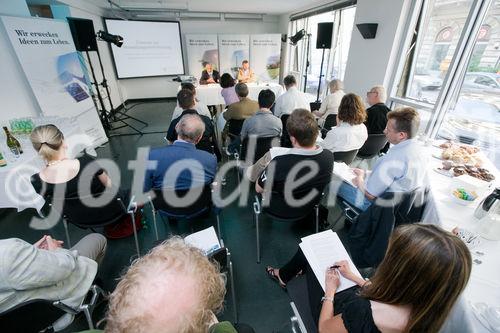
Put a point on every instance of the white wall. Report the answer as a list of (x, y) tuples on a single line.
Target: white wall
[(370, 61), (16, 95), (163, 86)]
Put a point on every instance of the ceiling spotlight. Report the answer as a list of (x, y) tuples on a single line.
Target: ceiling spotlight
[(297, 37), (113, 39)]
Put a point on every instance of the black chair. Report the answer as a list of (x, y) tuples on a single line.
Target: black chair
[(372, 146), (76, 212), (285, 138), (38, 315), (223, 257), (302, 320), (279, 210), (345, 156), (235, 126), (262, 146), (369, 230), (330, 121), (203, 205)]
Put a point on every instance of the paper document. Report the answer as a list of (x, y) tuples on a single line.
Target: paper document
[(206, 240), (344, 172), (322, 250)]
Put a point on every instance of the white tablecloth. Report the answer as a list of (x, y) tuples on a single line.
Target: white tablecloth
[(15, 177), (484, 284), (210, 93)]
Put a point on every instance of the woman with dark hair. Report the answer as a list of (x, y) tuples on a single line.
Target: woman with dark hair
[(228, 92), (414, 289), (350, 132)]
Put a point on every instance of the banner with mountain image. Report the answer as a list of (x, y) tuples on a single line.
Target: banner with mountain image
[(201, 49), (265, 50), (233, 49), (47, 54)]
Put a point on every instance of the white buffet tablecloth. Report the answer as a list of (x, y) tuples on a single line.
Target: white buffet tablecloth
[(15, 177), (484, 284), (210, 93)]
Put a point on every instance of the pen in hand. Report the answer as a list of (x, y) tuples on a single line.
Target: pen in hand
[(334, 266)]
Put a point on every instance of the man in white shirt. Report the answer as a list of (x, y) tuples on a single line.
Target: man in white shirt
[(291, 100)]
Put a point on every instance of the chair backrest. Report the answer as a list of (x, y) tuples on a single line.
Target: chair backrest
[(279, 209), (78, 213), (330, 121), (345, 156), (262, 146), (369, 235), (32, 316), (285, 138), (372, 146), (235, 126), (203, 202)]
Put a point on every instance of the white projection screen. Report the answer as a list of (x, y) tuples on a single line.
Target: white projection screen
[(150, 48)]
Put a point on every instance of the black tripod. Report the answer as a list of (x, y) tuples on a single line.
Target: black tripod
[(109, 117)]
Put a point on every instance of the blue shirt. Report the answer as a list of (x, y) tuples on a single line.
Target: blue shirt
[(402, 169), (185, 166)]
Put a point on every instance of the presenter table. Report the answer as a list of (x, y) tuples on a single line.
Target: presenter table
[(210, 93), (15, 177), (484, 285)]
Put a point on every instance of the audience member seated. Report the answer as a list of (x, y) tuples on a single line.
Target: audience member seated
[(200, 107), (402, 169), (185, 98), (245, 73), (174, 288), (209, 75), (263, 123), (189, 131), (64, 174), (330, 104), (350, 132), (377, 112), (411, 291), (228, 92), (244, 108), (303, 130), (292, 99), (45, 270)]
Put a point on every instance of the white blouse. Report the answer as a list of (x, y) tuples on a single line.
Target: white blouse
[(345, 137), (330, 105)]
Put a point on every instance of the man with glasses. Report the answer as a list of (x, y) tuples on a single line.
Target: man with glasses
[(377, 112), (402, 169)]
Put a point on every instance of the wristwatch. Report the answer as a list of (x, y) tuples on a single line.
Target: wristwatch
[(324, 298)]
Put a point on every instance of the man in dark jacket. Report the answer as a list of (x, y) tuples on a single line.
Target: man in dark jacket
[(209, 75)]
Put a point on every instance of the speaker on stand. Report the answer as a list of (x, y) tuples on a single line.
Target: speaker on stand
[(84, 37), (323, 41)]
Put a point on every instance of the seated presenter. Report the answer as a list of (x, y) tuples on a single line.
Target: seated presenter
[(209, 75), (245, 74)]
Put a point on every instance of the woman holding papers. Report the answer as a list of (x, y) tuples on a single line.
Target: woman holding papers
[(413, 290)]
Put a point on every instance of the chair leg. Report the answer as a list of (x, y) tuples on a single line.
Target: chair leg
[(218, 225), (66, 230), (257, 234), (233, 293), (88, 316), (135, 234), (316, 212), (155, 225)]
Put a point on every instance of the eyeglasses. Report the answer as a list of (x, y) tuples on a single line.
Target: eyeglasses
[(371, 92)]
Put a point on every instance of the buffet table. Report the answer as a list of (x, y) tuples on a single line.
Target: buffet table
[(443, 210), (15, 177)]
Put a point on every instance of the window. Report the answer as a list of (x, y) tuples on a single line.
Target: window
[(453, 78), (335, 58)]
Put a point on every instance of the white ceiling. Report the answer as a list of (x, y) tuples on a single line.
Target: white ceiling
[(272, 7)]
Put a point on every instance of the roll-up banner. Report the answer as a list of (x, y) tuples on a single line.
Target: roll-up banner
[(265, 52), (50, 62), (233, 49)]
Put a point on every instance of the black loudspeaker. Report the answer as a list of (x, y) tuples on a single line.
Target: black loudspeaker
[(83, 34), (324, 38), (368, 30)]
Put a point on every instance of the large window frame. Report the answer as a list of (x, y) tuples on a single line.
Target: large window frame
[(453, 79)]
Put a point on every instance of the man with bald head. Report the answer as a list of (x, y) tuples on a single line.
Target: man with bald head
[(192, 167)]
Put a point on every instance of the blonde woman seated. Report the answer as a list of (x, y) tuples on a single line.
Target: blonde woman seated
[(65, 174), (350, 132), (331, 103), (414, 289)]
